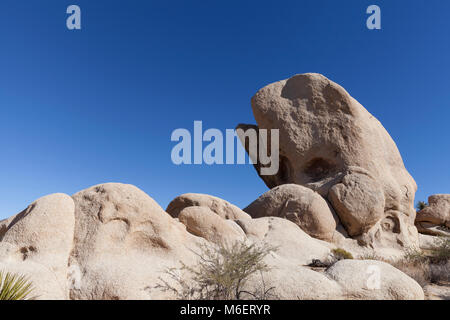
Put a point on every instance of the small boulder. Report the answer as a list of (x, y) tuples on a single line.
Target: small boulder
[(359, 199), (202, 222), (301, 205), (219, 206)]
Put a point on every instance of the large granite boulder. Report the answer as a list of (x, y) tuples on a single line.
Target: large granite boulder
[(123, 242), (331, 144)]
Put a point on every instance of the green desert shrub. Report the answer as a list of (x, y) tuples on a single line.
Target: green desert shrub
[(221, 273), (15, 287), (341, 254), (421, 205)]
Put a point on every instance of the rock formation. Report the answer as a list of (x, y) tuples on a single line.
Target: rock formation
[(341, 181), (113, 241), (331, 144), (435, 218)]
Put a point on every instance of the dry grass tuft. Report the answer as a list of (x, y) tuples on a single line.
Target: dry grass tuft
[(432, 266)]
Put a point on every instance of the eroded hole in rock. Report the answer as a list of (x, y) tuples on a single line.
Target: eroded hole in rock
[(319, 168), (391, 224), (26, 251), (284, 170)]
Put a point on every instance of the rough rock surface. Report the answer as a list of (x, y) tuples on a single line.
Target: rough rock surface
[(346, 279), (437, 292), (300, 205), (113, 241), (299, 283), (331, 144), (221, 207), (435, 218), (427, 242), (360, 202), (123, 242), (202, 222), (374, 280), (292, 244), (37, 242)]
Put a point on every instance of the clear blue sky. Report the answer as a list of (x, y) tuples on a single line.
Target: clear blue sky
[(78, 108)]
